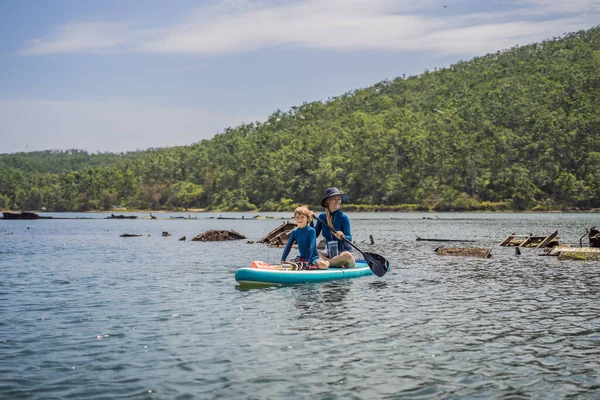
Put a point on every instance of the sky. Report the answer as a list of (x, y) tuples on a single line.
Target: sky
[(123, 75)]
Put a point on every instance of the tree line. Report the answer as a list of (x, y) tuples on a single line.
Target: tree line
[(513, 130)]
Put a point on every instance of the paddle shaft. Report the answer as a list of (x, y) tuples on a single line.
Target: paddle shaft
[(378, 264), (332, 229)]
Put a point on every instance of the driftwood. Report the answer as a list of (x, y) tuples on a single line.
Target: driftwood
[(129, 235), (464, 251), (216, 236), (442, 240), (531, 241)]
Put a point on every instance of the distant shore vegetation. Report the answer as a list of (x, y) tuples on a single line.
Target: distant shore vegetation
[(514, 130)]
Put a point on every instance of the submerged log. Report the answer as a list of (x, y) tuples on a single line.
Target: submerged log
[(442, 240), (217, 236), (568, 252), (371, 239), (464, 251), (113, 216), (582, 254)]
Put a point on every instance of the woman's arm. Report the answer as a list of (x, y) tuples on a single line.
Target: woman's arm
[(318, 228), (346, 227)]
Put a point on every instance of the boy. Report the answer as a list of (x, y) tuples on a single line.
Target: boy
[(305, 236)]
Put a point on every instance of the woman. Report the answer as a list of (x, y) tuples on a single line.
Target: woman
[(331, 201)]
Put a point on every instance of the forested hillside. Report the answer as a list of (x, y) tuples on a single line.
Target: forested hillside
[(518, 129)]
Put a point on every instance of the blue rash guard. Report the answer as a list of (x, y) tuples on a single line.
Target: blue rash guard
[(341, 222), (307, 243)]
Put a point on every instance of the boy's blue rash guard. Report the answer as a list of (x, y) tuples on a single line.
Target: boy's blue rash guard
[(341, 222), (307, 243)]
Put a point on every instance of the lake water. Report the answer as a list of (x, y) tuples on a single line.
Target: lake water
[(86, 314)]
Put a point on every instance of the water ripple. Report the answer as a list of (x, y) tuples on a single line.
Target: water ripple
[(88, 315)]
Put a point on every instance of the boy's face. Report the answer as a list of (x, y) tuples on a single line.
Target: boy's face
[(301, 220)]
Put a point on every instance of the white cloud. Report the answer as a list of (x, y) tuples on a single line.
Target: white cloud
[(567, 6), (481, 39), (84, 37), (389, 25), (30, 125)]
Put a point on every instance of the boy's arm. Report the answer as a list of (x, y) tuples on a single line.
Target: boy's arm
[(288, 246), (312, 239)]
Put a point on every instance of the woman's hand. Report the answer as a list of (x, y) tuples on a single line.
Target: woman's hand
[(338, 235)]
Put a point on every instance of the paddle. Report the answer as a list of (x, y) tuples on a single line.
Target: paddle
[(378, 264)]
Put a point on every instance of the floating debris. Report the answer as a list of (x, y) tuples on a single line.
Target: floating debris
[(113, 216), (22, 215), (166, 234), (278, 236), (568, 252), (371, 239), (464, 251), (594, 237), (579, 255), (531, 241), (129, 235), (215, 236), (181, 239)]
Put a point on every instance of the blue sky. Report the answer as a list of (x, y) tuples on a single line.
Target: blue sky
[(119, 75)]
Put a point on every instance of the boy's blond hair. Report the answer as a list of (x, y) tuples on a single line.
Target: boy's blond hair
[(303, 210)]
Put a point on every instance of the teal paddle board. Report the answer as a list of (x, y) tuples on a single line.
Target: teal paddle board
[(279, 275)]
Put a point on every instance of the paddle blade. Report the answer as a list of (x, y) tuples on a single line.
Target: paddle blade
[(378, 264)]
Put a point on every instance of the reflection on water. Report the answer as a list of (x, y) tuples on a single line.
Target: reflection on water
[(87, 314), (324, 301), (378, 285)]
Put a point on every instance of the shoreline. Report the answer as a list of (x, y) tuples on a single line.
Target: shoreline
[(315, 209)]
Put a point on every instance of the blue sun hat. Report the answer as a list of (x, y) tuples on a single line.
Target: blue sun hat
[(333, 191)]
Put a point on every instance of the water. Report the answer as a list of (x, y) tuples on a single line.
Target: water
[(86, 314)]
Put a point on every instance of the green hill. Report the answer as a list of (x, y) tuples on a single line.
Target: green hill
[(518, 129)]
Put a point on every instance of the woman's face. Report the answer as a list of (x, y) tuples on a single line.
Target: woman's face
[(334, 202)]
